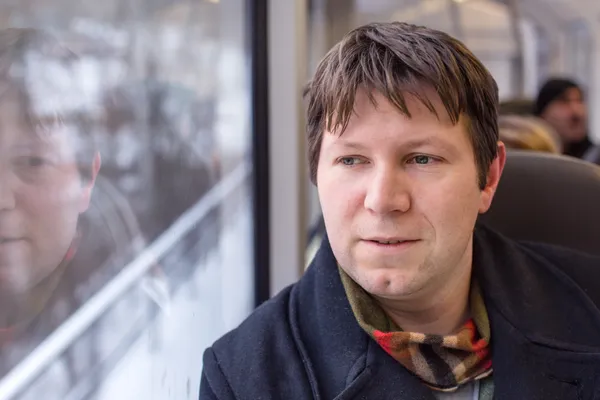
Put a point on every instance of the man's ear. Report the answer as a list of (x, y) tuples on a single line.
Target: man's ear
[(88, 185), (493, 179)]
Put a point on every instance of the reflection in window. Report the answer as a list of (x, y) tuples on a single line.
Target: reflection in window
[(125, 225)]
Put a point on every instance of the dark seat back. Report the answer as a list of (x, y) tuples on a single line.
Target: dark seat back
[(548, 198)]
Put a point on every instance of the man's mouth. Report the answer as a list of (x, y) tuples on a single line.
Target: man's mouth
[(4, 240), (576, 120), (391, 241)]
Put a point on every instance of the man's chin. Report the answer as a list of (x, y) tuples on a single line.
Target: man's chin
[(14, 284), (578, 136), (389, 283), (11, 294)]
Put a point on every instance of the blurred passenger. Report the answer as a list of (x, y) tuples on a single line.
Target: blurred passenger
[(407, 298), (561, 102), (527, 133), (516, 107)]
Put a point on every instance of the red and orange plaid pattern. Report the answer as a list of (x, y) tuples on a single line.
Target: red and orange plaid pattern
[(444, 363)]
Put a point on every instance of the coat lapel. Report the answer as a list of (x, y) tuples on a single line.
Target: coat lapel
[(384, 378), (545, 331), (525, 370)]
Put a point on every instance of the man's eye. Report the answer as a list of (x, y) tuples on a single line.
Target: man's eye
[(36, 161), (349, 161), (421, 160), (32, 162)]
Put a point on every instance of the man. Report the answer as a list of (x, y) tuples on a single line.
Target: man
[(561, 103), (59, 244), (407, 298), (44, 187)]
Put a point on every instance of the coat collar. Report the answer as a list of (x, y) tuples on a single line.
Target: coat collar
[(534, 294), (341, 360), (545, 331)]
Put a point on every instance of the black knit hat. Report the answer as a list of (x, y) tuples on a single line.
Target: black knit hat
[(552, 89)]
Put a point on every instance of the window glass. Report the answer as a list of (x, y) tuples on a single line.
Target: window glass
[(125, 194)]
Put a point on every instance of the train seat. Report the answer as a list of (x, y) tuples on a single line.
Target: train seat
[(548, 198)]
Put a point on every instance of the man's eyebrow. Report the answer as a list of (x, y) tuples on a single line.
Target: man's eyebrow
[(429, 141), (409, 144), (350, 144), (36, 144)]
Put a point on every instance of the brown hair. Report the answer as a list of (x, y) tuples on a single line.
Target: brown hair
[(396, 59), (21, 51), (527, 133)]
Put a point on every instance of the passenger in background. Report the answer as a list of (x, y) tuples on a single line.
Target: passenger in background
[(408, 298), (528, 133), (561, 103)]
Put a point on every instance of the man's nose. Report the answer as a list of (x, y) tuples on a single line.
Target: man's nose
[(388, 191), (577, 107)]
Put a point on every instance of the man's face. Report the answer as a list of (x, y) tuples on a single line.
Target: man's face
[(41, 197), (568, 116), (408, 181)]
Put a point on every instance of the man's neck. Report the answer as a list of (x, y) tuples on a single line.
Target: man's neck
[(577, 149), (441, 309), (15, 309), (19, 309)]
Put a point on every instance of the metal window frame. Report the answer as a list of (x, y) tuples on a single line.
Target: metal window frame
[(258, 33)]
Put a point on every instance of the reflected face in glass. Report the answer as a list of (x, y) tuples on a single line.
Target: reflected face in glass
[(41, 197), (400, 197), (568, 116)]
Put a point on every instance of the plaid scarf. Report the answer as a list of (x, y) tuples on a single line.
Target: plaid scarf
[(442, 362)]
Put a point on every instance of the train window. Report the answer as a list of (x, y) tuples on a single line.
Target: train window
[(125, 195), (580, 50)]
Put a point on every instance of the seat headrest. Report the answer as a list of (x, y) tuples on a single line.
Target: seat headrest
[(548, 198)]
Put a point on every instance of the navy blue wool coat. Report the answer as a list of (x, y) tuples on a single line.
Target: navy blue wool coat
[(543, 304)]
